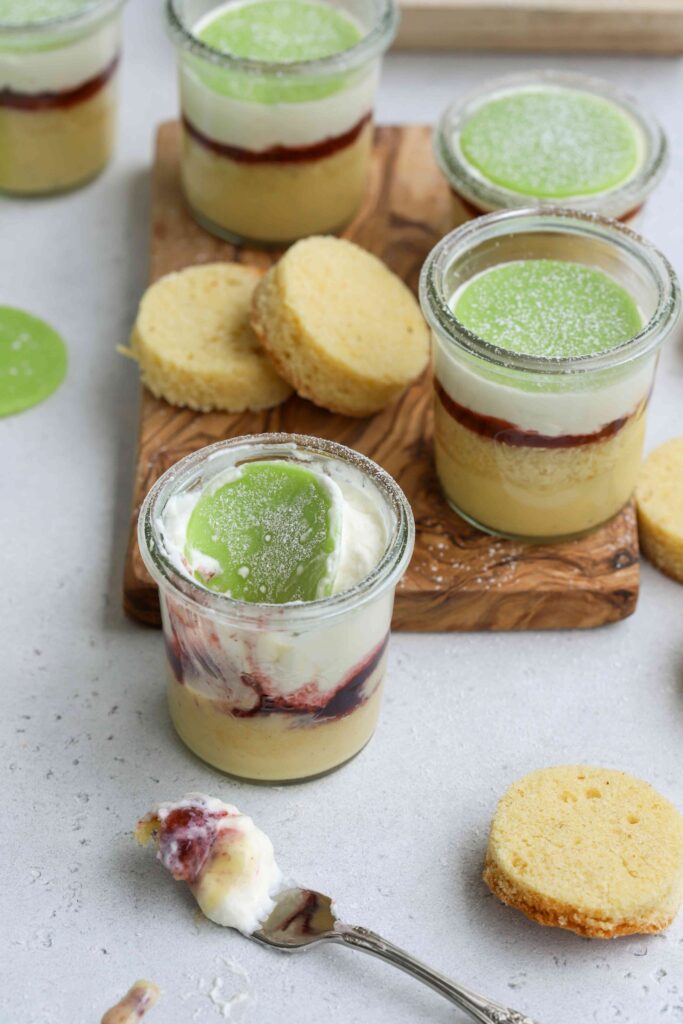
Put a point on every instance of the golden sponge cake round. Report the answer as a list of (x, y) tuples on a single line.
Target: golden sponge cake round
[(659, 501), (195, 345), (340, 326), (592, 850)]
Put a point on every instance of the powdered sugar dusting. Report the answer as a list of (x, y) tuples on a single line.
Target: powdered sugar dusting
[(549, 308), (278, 30), (552, 142), (277, 529)]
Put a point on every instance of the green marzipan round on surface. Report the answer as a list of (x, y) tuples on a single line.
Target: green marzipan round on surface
[(548, 308), (274, 531), (277, 32), (552, 143), (33, 360)]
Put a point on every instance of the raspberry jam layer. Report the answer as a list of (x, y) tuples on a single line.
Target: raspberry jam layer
[(186, 837), (478, 211), (279, 154), (503, 431), (347, 696), (62, 100)]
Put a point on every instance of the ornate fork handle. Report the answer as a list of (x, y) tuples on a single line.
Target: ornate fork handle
[(483, 1010)]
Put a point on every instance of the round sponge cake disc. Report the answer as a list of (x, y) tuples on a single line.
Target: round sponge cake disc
[(659, 500), (33, 360), (588, 849), (340, 326), (195, 345)]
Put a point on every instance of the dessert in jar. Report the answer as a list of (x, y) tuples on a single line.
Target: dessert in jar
[(546, 330), (58, 64), (550, 138), (277, 557), (277, 99)]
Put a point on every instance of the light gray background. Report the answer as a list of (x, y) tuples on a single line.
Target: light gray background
[(397, 836)]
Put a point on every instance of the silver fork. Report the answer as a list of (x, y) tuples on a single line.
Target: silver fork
[(302, 918)]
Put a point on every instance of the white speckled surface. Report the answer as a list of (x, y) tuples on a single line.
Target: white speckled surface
[(398, 835)]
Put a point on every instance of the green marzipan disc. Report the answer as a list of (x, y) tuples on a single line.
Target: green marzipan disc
[(33, 360)]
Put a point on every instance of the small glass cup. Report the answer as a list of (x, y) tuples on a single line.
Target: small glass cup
[(58, 99), (473, 194), (276, 692), (276, 152), (539, 448)]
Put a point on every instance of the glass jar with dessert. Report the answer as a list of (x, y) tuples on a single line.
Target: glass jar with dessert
[(550, 138), (277, 100), (546, 332), (277, 557), (58, 64)]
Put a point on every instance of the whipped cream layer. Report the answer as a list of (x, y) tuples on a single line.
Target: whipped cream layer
[(260, 126), (516, 197), (70, 62), (584, 410), (228, 863), (254, 671)]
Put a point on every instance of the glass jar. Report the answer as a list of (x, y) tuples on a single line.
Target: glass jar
[(276, 152), (58, 98), (533, 447), (276, 692), (473, 194)]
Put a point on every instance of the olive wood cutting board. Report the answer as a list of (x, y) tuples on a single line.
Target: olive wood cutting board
[(459, 578), (549, 26)]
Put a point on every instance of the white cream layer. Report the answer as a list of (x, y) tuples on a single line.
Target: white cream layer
[(62, 67), (553, 413), (304, 662), (259, 126), (236, 886)]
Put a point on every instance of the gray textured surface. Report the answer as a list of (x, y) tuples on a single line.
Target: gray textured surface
[(398, 835)]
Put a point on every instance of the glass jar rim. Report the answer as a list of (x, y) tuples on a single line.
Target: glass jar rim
[(376, 41), (436, 304), (386, 573), (477, 189), (91, 13)]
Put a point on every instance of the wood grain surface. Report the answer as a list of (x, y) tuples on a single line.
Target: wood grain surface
[(580, 26), (459, 579)]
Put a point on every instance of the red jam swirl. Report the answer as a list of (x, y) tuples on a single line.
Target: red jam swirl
[(507, 433), (186, 836), (349, 695), (279, 154), (33, 101)]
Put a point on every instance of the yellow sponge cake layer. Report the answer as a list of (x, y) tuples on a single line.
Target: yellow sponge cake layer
[(659, 500), (195, 345), (588, 849), (340, 326)]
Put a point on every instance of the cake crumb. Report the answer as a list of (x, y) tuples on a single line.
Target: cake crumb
[(134, 1005)]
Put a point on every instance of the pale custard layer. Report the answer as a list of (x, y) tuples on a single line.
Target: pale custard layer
[(276, 201), (43, 151), (537, 493), (272, 747)]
